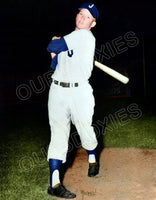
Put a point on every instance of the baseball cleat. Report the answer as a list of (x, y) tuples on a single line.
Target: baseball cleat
[(61, 191), (93, 169)]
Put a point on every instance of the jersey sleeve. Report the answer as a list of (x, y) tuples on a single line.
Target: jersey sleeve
[(57, 46), (54, 62)]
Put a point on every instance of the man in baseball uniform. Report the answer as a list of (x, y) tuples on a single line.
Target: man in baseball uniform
[(71, 96)]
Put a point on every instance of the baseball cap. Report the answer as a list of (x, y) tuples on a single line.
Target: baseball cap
[(92, 9)]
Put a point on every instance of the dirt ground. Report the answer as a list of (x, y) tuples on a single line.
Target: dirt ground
[(125, 174)]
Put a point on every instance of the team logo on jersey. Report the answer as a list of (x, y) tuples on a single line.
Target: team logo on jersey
[(91, 6), (70, 53)]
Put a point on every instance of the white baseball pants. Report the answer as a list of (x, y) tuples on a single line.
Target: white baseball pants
[(74, 104)]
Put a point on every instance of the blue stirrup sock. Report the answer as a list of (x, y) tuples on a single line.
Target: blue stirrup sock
[(91, 155), (54, 166)]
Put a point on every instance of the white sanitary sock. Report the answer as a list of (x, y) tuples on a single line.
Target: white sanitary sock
[(55, 178), (91, 158)]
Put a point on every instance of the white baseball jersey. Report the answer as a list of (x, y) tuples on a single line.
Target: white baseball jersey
[(76, 64)]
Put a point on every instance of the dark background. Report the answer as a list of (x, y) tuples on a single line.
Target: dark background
[(27, 27)]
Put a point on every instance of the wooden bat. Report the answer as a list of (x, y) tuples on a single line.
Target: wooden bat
[(112, 72)]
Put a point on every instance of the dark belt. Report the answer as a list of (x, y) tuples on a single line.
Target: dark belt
[(64, 84)]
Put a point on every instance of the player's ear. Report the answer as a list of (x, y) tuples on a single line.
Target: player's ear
[(93, 24)]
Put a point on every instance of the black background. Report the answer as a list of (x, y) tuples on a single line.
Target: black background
[(28, 25)]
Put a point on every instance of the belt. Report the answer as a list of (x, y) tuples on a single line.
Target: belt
[(64, 84)]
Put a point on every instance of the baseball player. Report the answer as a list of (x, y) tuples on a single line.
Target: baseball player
[(71, 96)]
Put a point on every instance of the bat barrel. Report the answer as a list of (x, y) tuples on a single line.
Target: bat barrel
[(112, 72)]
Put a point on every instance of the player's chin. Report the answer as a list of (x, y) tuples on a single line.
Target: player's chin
[(80, 26)]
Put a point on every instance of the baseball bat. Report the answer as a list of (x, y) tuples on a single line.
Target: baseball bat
[(112, 72)]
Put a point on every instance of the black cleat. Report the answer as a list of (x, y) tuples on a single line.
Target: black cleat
[(61, 191), (93, 169)]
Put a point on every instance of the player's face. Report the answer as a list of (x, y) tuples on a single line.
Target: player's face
[(84, 20)]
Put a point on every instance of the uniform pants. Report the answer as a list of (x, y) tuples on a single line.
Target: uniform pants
[(66, 105)]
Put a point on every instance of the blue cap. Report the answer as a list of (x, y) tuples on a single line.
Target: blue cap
[(92, 9)]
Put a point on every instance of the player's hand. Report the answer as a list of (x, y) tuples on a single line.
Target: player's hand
[(52, 55), (55, 38)]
